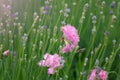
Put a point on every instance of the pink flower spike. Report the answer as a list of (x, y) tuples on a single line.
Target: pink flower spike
[(52, 62), (6, 53), (51, 71), (56, 61), (71, 37), (102, 75), (67, 48), (93, 74)]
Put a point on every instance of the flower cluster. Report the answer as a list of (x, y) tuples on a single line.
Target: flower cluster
[(6, 53), (98, 74), (55, 61), (52, 61), (46, 9), (71, 37)]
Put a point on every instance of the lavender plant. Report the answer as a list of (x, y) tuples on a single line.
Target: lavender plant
[(59, 39)]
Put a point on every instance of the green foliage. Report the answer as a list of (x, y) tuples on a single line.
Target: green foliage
[(31, 34)]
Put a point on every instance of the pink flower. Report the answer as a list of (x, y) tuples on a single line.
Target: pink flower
[(6, 53), (93, 74), (51, 61), (67, 48), (71, 37), (51, 71), (101, 74)]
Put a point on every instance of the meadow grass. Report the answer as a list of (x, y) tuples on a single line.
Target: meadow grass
[(31, 28)]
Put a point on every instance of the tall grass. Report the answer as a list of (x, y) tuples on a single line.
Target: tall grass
[(29, 31)]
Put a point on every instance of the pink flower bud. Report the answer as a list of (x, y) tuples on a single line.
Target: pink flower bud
[(6, 53)]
